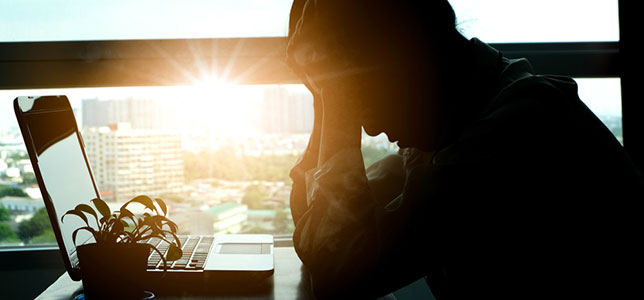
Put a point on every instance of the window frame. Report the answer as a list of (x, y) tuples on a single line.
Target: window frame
[(262, 61), (130, 62)]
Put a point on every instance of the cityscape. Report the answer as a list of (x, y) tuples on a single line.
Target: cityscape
[(221, 163), (214, 177)]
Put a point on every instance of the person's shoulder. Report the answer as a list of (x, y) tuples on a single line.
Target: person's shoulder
[(533, 96), (524, 114)]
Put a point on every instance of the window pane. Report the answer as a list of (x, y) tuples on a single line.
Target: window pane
[(516, 21), (604, 97), (218, 155), (69, 20), (494, 21)]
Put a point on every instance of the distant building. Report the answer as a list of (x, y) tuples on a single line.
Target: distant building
[(128, 162), (140, 113), (21, 204), (286, 111), (228, 217), (192, 220)]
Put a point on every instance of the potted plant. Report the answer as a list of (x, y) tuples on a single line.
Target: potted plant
[(114, 266)]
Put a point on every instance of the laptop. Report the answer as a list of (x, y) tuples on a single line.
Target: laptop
[(57, 153)]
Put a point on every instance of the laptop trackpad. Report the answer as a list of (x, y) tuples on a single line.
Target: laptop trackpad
[(245, 248)]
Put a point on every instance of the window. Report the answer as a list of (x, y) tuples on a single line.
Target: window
[(512, 21), (180, 50), (603, 97), (218, 154), (61, 20)]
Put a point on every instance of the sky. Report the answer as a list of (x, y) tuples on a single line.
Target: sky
[(64, 20), (490, 20)]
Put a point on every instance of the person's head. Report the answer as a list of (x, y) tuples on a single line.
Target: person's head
[(387, 55)]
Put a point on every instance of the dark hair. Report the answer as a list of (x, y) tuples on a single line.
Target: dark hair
[(357, 25)]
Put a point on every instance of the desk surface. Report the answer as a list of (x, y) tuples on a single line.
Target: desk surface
[(288, 282)]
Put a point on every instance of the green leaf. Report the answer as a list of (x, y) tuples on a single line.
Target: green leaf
[(173, 226), (134, 223), (87, 209), (76, 213), (165, 263), (176, 238), (102, 207), (162, 205), (153, 222), (90, 229), (158, 221), (124, 213), (129, 237), (117, 227), (145, 200), (174, 253)]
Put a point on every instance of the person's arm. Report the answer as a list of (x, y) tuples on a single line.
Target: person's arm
[(307, 161), (333, 130), (352, 246), (341, 237)]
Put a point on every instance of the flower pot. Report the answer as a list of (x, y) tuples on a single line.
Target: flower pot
[(113, 271)]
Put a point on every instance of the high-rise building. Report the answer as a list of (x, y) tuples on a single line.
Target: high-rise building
[(286, 111), (128, 162), (140, 113)]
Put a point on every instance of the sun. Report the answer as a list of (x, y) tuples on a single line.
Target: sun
[(225, 106)]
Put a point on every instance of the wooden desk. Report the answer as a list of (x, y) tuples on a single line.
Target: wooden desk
[(288, 282)]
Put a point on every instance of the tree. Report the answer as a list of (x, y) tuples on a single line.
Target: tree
[(6, 190), (169, 197), (282, 224), (46, 237), (6, 234), (254, 197), (29, 179), (226, 163), (35, 226), (5, 214)]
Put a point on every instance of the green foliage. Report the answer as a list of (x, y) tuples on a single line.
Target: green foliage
[(11, 191), (29, 179), (35, 226), (172, 198), (226, 164), (254, 197), (254, 230), (5, 214), (46, 237), (6, 234), (282, 224), (123, 226), (16, 156)]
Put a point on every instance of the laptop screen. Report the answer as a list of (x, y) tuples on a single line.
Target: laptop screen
[(53, 139)]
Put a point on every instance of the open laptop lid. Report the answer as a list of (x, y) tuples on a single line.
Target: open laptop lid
[(64, 176)]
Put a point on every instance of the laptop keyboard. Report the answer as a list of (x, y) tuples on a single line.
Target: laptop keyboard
[(195, 250)]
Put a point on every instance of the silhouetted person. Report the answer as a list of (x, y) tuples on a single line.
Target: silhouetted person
[(506, 185)]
